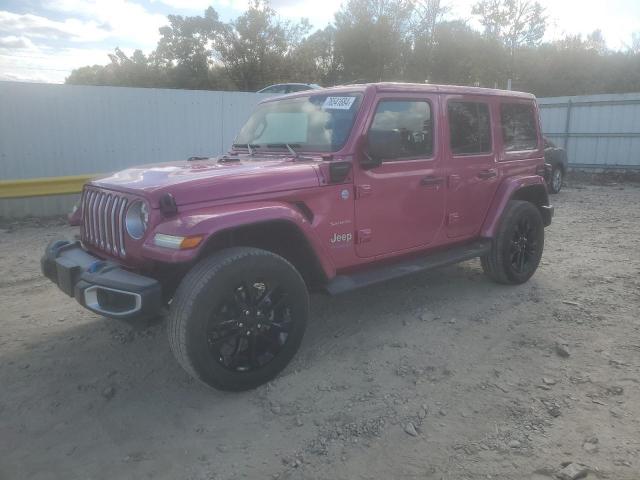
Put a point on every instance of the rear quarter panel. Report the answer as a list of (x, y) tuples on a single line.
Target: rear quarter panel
[(517, 169), (505, 192)]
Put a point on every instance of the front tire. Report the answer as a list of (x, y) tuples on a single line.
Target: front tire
[(238, 318), (517, 247), (557, 178)]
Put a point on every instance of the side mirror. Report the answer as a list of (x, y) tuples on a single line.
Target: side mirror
[(380, 145)]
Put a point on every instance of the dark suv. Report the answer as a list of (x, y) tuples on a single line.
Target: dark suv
[(557, 165)]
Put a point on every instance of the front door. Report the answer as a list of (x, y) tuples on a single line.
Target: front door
[(400, 203), (471, 169)]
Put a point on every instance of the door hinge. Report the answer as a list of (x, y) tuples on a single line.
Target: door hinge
[(363, 191), (363, 236)]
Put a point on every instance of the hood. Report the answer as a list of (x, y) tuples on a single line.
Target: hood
[(206, 180)]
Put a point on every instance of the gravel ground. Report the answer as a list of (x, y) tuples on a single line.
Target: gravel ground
[(443, 375)]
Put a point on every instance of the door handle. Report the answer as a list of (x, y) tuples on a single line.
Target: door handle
[(430, 181), (487, 174)]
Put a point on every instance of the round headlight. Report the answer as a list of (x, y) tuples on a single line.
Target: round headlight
[(137, 219)]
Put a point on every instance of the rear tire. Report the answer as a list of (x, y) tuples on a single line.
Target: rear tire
[(238, 317), (517, 246)]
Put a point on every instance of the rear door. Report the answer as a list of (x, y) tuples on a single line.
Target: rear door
[(471, 169), (400, 204)]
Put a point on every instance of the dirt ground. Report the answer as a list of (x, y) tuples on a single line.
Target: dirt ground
[(443, 375)]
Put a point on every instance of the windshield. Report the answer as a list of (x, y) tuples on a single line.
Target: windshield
[(314, 123)]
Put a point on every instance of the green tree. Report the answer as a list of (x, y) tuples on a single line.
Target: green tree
[(635, 43), (595, 41), (184, 49), (463, 56), (372, 38), (575, 66), (517, 23), (89, 75), (257, 48), (425, 18), (316, 60), (136, 71)]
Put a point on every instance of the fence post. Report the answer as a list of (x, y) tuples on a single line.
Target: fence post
[(567, 126)]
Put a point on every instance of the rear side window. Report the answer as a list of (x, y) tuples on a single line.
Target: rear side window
[(405, 127), (519, 131), (469, 127)]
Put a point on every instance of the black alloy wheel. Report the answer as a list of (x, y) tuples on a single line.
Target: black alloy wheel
[(250, 327), (238, 318), (523, 246), (517, 246)]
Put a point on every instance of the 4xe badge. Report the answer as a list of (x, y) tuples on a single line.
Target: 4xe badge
[(341, 238)]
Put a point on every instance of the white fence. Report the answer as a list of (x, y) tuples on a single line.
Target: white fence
[(63, 130), (598, 131)]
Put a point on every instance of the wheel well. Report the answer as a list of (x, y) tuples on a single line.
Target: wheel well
[(280, 237), (560, 166), (538, 195), (558, 160)]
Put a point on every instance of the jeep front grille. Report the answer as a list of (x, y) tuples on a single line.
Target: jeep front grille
[(103, 220)]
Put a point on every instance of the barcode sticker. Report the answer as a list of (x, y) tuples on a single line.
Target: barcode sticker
[(338, 103)]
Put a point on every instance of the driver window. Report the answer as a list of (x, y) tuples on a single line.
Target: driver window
[(408, 127)]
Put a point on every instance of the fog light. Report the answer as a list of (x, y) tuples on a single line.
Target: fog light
[(176, 242)]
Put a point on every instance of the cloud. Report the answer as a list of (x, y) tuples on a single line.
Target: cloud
[(127, 21), (89, 21), (278, 4), (202, 5), (38, 27), (617, 19), (297, 8), (11, 41), (46, 64), (36, 48)]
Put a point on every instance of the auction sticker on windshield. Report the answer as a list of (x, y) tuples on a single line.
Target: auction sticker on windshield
[(338, 103)]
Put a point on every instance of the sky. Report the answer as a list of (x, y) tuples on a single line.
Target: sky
[(43, 40)]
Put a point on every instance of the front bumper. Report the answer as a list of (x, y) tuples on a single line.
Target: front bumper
[(548, 169), (101, 286), (547, 214)]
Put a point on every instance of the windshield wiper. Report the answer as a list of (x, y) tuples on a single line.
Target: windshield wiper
[(227, 158), (285, 145), (248, 146), (291, 150)]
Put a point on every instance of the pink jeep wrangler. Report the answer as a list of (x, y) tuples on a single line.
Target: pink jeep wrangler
[(329, 190)]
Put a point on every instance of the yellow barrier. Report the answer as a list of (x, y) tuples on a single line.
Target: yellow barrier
[(38, 187)]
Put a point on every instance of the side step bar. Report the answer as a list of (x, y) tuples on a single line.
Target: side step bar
[(344, 283)]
